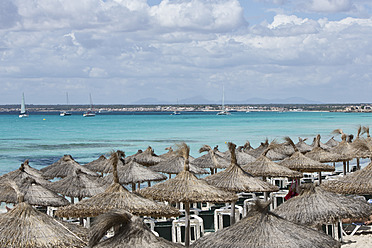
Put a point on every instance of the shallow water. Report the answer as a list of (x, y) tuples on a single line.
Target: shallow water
[(44, 138)]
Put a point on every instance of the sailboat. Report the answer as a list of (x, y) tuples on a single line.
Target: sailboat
[(65, 113), (223, 110), (23, 112), (90, 112)]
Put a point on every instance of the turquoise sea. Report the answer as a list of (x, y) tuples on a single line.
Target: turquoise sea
[(44, 138)]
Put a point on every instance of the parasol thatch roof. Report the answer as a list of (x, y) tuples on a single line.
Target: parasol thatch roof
[(317, 143), (272, 154), (321, 155), (134, 172), (315, 206), (210, 160), (133, 233), (146, 158), (97, 165), (344, 149), (25, 227), (117, 197), (175, 165), (332, 142), (300, 162), (34, 193), (78, 184), (168, 154), (63, 167), (241, 156), (25, 171), (235, 179), (262, 228), (186, 187), (302, 146)]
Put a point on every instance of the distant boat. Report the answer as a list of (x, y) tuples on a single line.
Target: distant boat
[(23, 112), (223, 109), (176, 112), (65, 113), (90, 112)]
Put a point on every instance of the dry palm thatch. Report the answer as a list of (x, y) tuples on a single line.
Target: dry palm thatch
[(117, 197), (264, 167), (262, 228), (132, 233), (211, 160), (97, 165), (241, 156), (63, 167), (273, 154), (25, 227), (302, 146), (358, 182), (332, 142), (34, 193), (79, 185), (315, 206), (186, 188), (25, 171), (321, 155), (360, 153), (365, 130), (235, 179), (146, 158), (168, 154), (174, 165), (134, 172), (317, 143), (344, 149), (300, 162)]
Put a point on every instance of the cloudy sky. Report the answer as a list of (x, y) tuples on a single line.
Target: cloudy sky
[(122, 51)]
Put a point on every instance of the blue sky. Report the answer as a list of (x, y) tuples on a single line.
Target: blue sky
[(122, 51)]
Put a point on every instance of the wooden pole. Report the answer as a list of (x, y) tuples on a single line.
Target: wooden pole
[(133, 187), (232, 215), (320, 177), (187, 224), (344, 164)]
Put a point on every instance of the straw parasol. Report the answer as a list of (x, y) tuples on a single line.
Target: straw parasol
[(97, 165), (332, 142), (133, 233), (235, 179), (344, 150), (63, 167), (320, 144), (262, 228), (133, 173), (146, 158), (321, 155), (271, 154), (210, 160), (302, 146), (315, 206), (34, 193), (117, 197), (241, 156), (79, 185), (186, 188), (23, 226), (175, 165), (358, 182), (300, 162), (168, 154), (23, 172)]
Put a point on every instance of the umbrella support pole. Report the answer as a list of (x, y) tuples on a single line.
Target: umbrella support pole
[(133, 187), (139, 186), (149, 183), (187, 224), (212, 171), (232, 215), (344, 164), (348, 169), (358, 163), (320, 177)]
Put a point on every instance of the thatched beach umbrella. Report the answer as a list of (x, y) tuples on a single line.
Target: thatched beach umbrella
[(25, 227), (321, 155), (301, 163), (344, 150), (187, 188), (262, 228), (302, 146), (168, 154), (23, 172), (146, 158), (133, 172), (132, 233), (271, 154), (315, 206), (33, 193), (175, 165), (97, 165), (358, 182), (79, 185), (210, 160), (235, 179), (117, 197), (332, 142), (317, 143), (63, 167), (241, 156)]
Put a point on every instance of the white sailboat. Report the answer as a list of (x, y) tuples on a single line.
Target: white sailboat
[(65, 113), (23, 112), (90, 112), (223, 110)]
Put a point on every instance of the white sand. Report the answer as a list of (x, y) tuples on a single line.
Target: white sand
[(363, 240)]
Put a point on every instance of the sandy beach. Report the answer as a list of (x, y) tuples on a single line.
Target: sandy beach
[(361, 240)]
